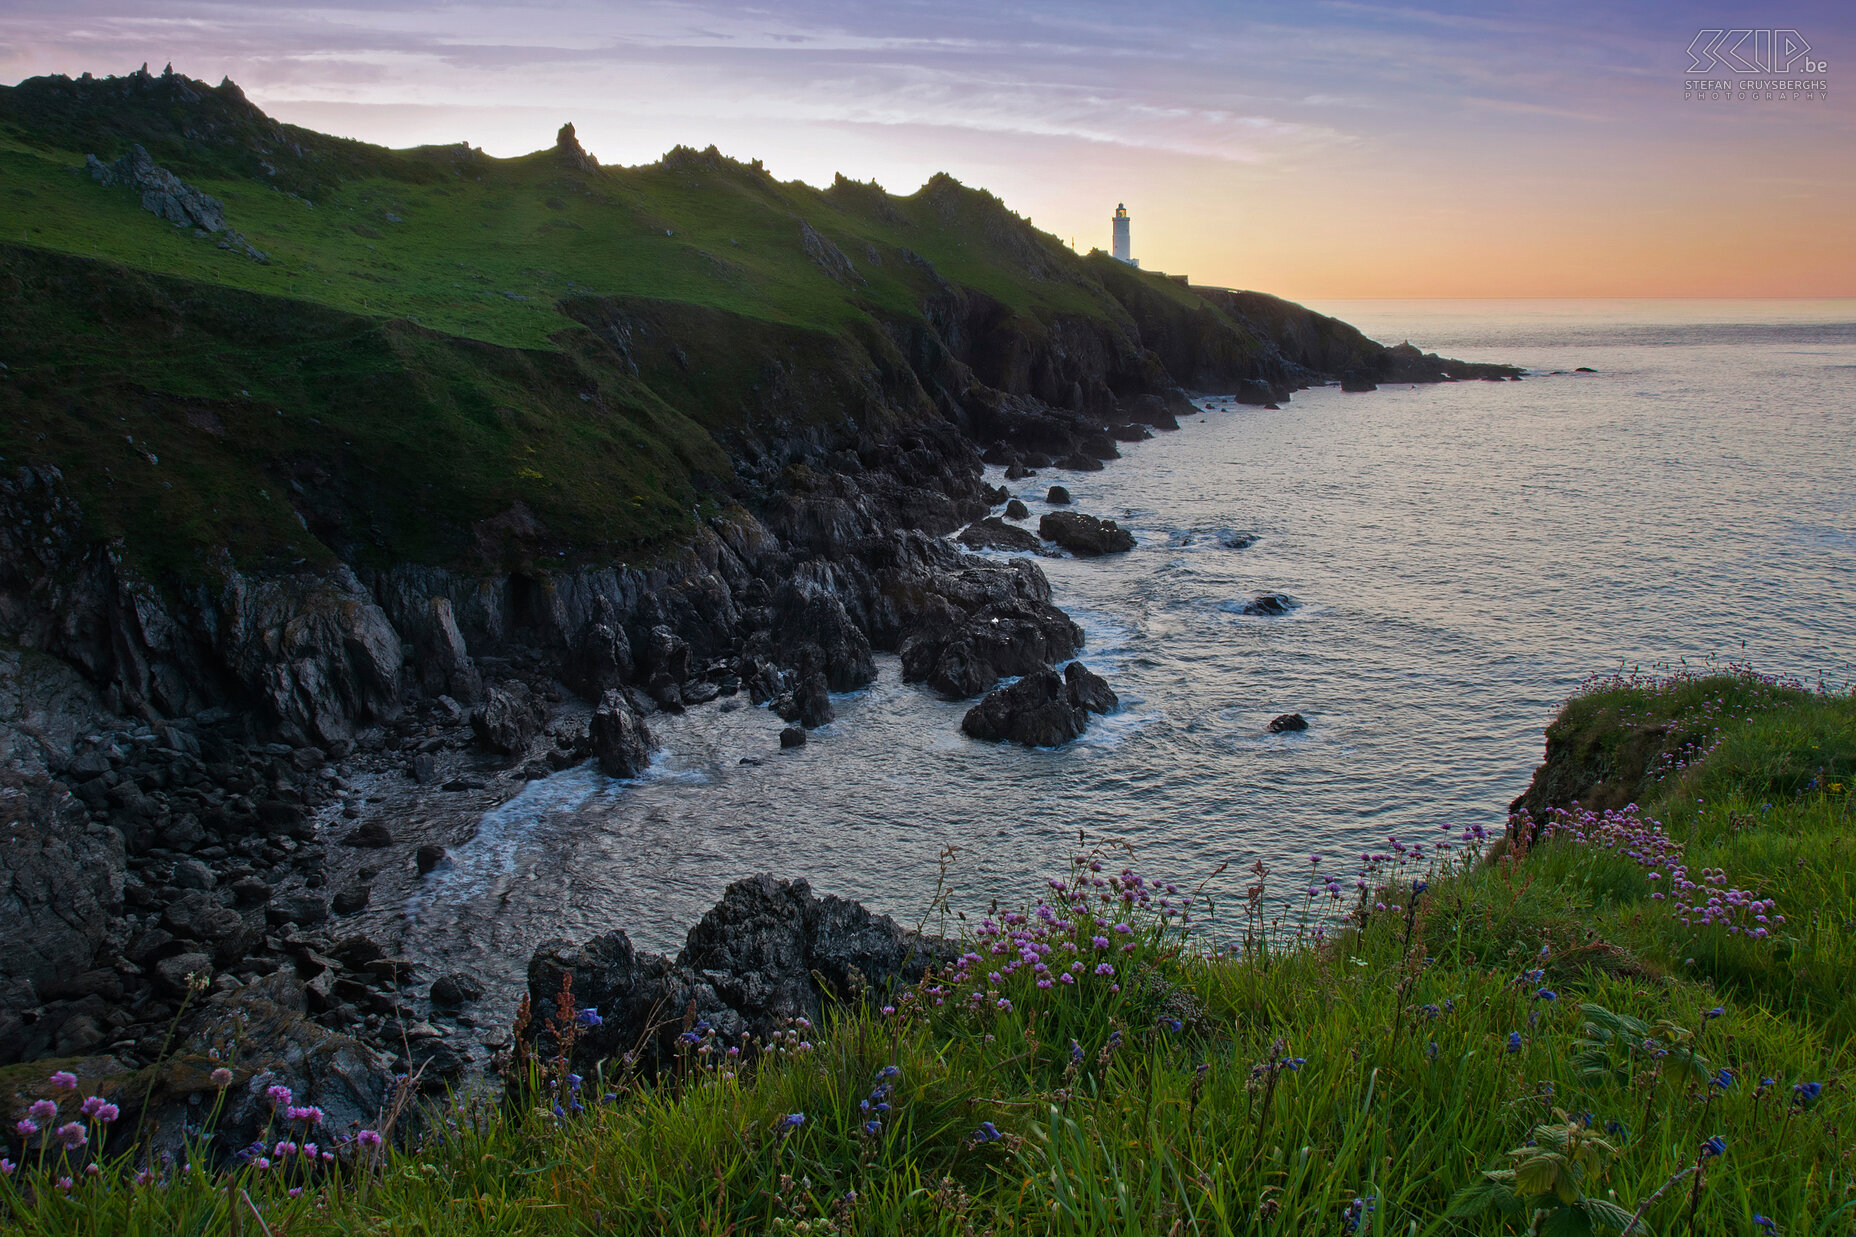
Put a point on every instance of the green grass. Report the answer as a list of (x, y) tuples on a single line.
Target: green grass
[(1403, 1019), (428, 322)]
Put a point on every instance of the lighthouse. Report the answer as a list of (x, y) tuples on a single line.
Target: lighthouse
[(1122, 249)]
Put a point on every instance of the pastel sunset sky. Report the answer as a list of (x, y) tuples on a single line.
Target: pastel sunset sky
[(1318, 150)]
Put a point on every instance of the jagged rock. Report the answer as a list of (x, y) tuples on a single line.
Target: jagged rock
[(811, 702), (792, 736), (1057, 496), (1269, 605), (1354, 381), (700, 693), (769, 953), (1016, 510), (1037, 711), (1014, 636), (1085, 535), (445, 665), (601, 658), (568, 150), (264, 1027), (829, 257), (993, 533), (812, 632), (620, 739), (1237, 541), (1078, 462), (1287, 722), (162, 192), (1089, 689), (456, 988), (423, 768), (428, 857), (505, 721), (1017, 472)]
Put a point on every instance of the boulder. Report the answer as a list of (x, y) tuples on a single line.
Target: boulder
[(353, 898), (1016, 510), (369, 835), (428, 857), (792, 736), (175, 973), (1237, 541), (1287, 722), (505, 721), (813, 702), (1058, 496), (993, 533), (621, 741), (1085, 535), (456, 988)]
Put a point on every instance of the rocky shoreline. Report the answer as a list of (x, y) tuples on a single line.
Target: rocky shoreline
[(213, 795)]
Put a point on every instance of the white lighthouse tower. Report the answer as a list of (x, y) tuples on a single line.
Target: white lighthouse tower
[(1122, 249)]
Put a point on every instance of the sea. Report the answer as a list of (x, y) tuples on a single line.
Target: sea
[(1460, 557)]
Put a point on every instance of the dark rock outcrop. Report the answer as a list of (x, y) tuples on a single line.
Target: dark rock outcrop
[(1057, 496), (1286, 722), (1042, 709), (620, 739), (1085, 535), (763, 960), (1016, 510), (993, 533), (506, 722)]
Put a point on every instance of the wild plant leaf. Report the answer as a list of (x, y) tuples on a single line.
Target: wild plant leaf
[(1566, 1221), (1607, 1214), (1539, 1174)]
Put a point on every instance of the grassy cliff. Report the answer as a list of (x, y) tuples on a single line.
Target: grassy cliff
[(1469, 1039), (436, 339)]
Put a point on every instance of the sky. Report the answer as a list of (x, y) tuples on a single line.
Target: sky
[(1325, 149)]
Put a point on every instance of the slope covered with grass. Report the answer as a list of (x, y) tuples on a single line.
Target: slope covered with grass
[(1486, 1038), (439, 347)]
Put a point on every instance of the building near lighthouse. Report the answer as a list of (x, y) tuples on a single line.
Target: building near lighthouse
[(1123, 247)]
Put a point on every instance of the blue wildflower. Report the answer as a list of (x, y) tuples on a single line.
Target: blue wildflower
[(1711, 1014), (1806, 1093), (1546, 994), (988, 1132), (1713, 1147), (792, 1121), (873, 1127), (1724, 1079), (1765, 1222), (590, 1017), (1514, 1041)]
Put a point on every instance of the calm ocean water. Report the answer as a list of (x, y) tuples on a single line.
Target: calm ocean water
[(1462, 555)]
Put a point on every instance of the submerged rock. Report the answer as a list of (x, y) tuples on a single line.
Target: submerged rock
[(1287, 722), (1269, 605)]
